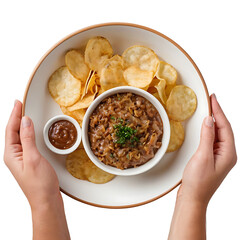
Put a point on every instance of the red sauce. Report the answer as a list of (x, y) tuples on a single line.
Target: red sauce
[(62, 134)]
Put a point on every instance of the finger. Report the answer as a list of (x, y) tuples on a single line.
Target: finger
[(207, 136), (223, 127), (27, 136), (225, 151), (13, 126)]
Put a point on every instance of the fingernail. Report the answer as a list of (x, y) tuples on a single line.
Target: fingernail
[(209, 121), (214, 95), (26, 122), (15, 102)]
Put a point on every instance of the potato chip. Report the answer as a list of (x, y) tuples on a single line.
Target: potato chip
[(100, 91), (152, 90), (91, 83), (65, 111), (76, 65), (137, 78), (75, 166), (97, 50), (154, 82), (78, 115), (168, 89), (96, 89), (80, 166), (141, 57), (112, 73), (84, 90), (82, 103), (167, 72), (161, 90), (64, 88), (80, 145), (156, 95), (181, 103), (176, 137), (97, 80)]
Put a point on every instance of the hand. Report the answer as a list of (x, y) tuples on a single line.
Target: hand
[(214, 158), (205, 171), (33, 173)]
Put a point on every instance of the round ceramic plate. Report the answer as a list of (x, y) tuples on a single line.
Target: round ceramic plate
[(121, 191)]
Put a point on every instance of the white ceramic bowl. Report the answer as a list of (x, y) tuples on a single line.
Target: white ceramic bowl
[(165, 139), (48, 143), (121, 191)]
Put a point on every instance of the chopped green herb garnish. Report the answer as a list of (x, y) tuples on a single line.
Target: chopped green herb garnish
[(111, 155), (120, 120), (113, 118), (127, 156), (134, 139), (125, 134)]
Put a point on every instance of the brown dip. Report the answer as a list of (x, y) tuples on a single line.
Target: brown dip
[(62, 134), (125, 130)]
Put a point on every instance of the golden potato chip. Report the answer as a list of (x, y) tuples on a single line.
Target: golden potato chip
[(156, 95), (181, 103), (76, 65), (65, 111), (154, 82), (100, 91), (91, 83), (145, 88), (63, 87), (141, 57), (167, 72), (152, 90), (112, 73), (176, 137), (97, 80), (96, 175), (161, 90), (137, 78), (80, 145), (80, 166), (84, 90), (82, 103), (75, 165), (96, 89), (97, 50), (168, 89), (78, 115)]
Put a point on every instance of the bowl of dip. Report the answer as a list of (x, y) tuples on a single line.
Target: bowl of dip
[(125, 131), (62, 134)]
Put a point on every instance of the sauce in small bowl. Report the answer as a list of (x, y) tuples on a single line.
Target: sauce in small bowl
[(62, 134)]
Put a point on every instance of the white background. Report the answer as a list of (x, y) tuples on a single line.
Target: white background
[(207, 30)]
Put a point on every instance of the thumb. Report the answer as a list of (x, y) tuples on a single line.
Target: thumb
[(27, 137), (207, 136)]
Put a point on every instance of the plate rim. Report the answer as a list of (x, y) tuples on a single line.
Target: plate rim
[(128, 25)]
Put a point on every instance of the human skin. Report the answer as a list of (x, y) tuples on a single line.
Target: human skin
[(36, 177), (214, 158)]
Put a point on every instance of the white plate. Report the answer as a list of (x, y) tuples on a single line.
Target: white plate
[(121, 191)]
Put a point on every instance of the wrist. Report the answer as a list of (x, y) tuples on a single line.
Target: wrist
[(191, 204), (184, 198), (45, 204)]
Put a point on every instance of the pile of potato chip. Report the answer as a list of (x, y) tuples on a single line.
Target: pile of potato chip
[(87, 75), (81, 167)]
